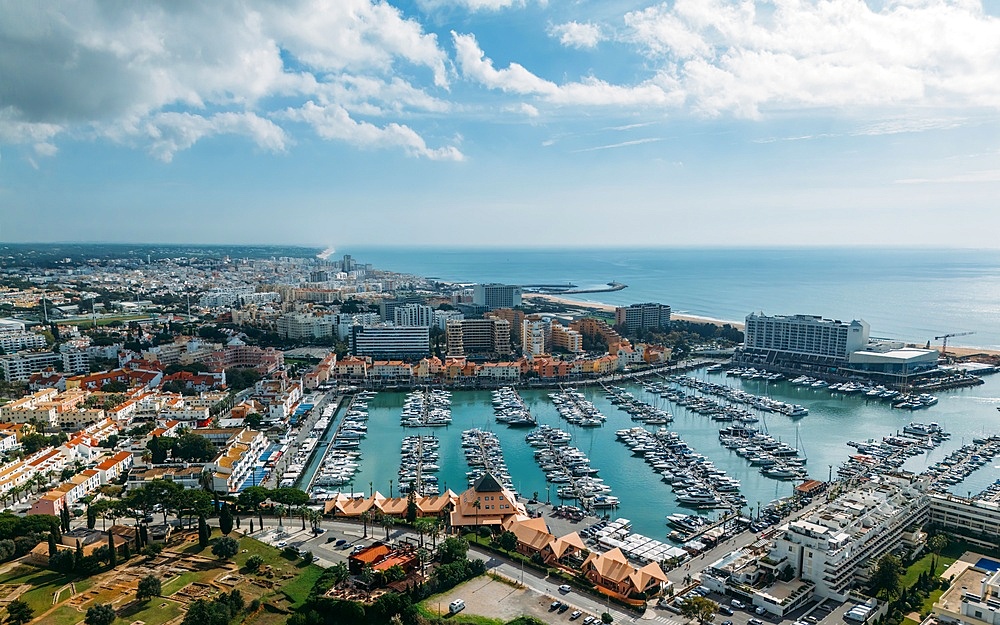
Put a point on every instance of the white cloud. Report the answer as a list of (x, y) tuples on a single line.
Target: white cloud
[(172, 132), (473, 5), (623, 144), (334, 122), (589, 91), (577, 35), (789, 54), (169, 74)]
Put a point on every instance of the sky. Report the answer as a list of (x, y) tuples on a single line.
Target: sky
[(501, 122)]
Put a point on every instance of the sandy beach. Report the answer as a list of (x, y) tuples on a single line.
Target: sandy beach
[(954, 351)]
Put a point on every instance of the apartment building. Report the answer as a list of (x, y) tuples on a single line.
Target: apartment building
[(387, 341), (468, 337), (566, 339), (12, 342), (496, 296), (804, 337), (440, 318), (302, 326), (413, 315), (534, 337), (640, 317), (978, 521), (835, 545), (19, 367)]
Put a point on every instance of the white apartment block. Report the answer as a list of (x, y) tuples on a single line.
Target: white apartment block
[(413, 315), (19, 367), (12, 342), (74, 359), (496, 296), (224, 296), (442, 317), (387, 341), (977, 520), (345, 323), (835, 545), (805, 335), (299, 326)]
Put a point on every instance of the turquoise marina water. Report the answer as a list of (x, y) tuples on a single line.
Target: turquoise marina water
[(645, 499)]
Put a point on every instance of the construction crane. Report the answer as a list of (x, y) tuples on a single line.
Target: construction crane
[(944, 340)]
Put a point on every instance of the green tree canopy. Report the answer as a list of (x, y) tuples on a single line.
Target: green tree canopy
[(225, 548), (100, 614), (886, 578), (453, 549), (149, 587)]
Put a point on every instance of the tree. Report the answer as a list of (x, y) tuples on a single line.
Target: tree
[(937, 543), (886, 578), (203, 532), (365, 517), (91, 517), (477, 505), (340, 573), (453, 549), (100, 614), (700, 608), (254, 563), (19, 612), (112, 552), (606, 618), (387, 523), (194, 447), (411, 506), (152, 550), (226, 519), (149, 587), (508, 541), (422, 527), (191, 502), (225, 548)]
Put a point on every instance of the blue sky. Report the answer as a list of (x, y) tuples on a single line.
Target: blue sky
[(502, 122)]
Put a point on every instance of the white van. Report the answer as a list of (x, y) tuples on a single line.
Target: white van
[(456, 606)]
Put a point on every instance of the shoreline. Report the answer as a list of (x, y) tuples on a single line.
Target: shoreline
[(609, 308), (958, 351)]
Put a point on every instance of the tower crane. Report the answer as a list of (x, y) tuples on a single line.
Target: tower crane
[(944, 340)]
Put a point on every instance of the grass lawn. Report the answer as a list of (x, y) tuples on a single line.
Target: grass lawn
[(43, 583), (909, 621), (928, 604), (924, 564), (297, 590), (64, 615), (155, 612)]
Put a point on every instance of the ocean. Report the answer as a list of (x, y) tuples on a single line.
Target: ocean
[(905, 294)]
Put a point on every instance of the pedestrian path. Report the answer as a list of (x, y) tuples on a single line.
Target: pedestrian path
[(668, 621)]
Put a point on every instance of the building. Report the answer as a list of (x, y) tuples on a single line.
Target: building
[(265, 360), (612, 571), (19, 367), (301, 326), (486, 503), (641, 317), (387, 341), (973, 596), (533, 337), (566, 339), (413, 315), (12, 342), (496, 296), (75, 359), (891, 362), (467, 337), (976, 520), (442, 317), (802, 340), (834, 545)]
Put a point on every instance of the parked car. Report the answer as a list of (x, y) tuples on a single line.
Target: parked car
[(555, 605), (725, 610), (736, 603), (456, 606), (341, 542), (575, 615), (589, 620), (755, 621), (563, 608), (759, 610), (565, 588)]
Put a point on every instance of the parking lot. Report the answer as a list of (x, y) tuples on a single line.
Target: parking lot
[(488, 597)]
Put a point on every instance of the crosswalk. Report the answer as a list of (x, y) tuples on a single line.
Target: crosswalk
[(668, 621)]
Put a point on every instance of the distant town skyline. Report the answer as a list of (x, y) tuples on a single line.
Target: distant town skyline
[(502, 122)]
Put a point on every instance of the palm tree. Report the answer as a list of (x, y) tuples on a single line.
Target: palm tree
[(303, 512), (387, 523), (279, 511), (422, 526), (477, 505), (365, 517), (435, 532)]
